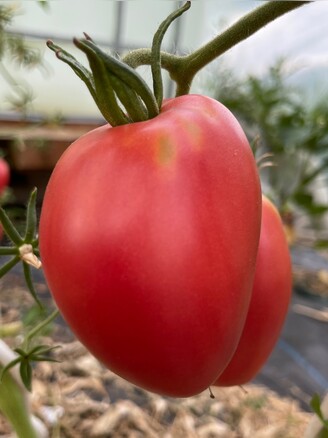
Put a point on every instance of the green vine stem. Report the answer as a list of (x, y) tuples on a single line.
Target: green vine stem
[(38, 328), (127, 77), (182, 69)]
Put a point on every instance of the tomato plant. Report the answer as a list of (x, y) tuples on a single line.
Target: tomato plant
[(269, 303), (148, 238)]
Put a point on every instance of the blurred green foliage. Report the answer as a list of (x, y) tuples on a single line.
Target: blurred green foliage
[(279, 120), (14, 48), (316, 407)]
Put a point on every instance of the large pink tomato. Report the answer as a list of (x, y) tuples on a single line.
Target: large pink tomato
[(269, 303), (148, 237)]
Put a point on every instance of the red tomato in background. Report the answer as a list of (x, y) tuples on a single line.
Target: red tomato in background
[(4, 174), (148, 238), (4, 181), (269, 303)]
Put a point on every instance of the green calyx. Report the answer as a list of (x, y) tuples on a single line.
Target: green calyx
[(112, 84), (119, 91)]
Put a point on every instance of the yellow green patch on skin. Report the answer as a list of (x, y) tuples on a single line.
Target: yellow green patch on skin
[(195, 136), (166, 151)]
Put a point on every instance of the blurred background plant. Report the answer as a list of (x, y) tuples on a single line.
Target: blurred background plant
[(22, 55), (290, 139)]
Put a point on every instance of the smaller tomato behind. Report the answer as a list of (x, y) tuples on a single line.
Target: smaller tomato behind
[(4, 174), (269, 303)]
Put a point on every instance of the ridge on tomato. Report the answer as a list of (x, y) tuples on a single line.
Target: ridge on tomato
[(269, 303), (148, 238)]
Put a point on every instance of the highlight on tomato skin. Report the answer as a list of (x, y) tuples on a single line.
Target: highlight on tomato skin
[(149, 244), (269, 303)]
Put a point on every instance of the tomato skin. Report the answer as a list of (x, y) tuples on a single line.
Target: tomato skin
[(148, 238), (269, 304), (4, 174)]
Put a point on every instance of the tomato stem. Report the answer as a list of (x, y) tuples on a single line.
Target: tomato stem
[(182, 69)]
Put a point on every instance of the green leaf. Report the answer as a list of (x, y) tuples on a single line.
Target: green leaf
[(83, 73), (106, 99), (30, 285), (5, 268), (125, 73), (306, 200), (133, 104), (25, 371), (31, 219), (44, 4), (23, 249), (10, 229), (21, 352), (8, 367), (27, 355), (41, 349), (310, 176), (46, 359), (315, 404), (321, 244)]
